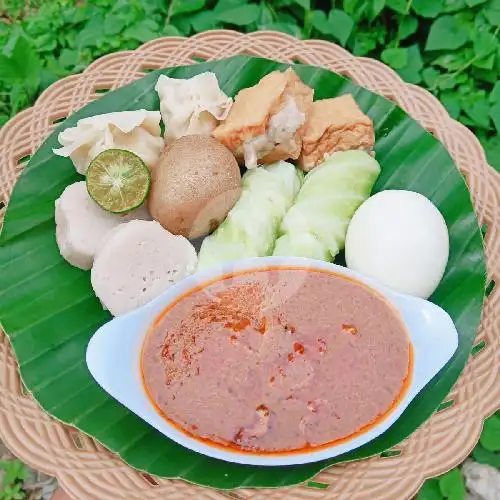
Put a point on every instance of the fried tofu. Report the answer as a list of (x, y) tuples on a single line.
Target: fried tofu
[(266, 121), (334, 125)]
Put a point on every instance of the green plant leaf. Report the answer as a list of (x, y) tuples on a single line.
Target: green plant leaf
[(204, 20), (430, 76), (492, 12), (47, 78), (451, 6), (377, 6), (446, 33), (481, 454), (452, 103), (484, 43), (223, 5), (479, 113), (291, 29), (285, 17), (142, 31), (455, 60), (45, 42), (495, 93), (15, 471), (411, 71), (183, 24), (266, 14), (428, 8), (20, 64), (430, 491), (408, 25), (493, 156), (69, 57), (341, 25), (396, 58), (490, 437), (467, 20), (400, 6), (240, 16), (170, 30), (473, 3), (355, 8), (186, 6), (320, 22), (486, 63), (91, 34), (114, 24), (452, 485), (128, 11), (305, 4), (364, 43)]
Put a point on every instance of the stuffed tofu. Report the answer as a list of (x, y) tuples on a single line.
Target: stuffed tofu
[(334, 125), (266, 121)]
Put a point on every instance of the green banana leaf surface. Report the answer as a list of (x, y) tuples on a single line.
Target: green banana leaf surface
[(49, 311)]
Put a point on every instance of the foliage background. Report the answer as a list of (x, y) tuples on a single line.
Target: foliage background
[(451, 47)]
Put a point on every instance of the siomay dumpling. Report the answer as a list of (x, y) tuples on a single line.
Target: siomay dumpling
[(191, 106), (136, 131), (82, 225)]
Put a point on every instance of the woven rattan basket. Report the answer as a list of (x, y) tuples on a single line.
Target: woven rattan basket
[(88, 471)]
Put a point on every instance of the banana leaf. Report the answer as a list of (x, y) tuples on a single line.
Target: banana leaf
[(49, 311)]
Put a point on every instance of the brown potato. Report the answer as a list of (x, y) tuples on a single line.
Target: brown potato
[(196, 182)]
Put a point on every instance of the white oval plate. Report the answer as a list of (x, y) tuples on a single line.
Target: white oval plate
[(113, 358)]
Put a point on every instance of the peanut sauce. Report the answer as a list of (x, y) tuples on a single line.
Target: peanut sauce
[(277, 360)]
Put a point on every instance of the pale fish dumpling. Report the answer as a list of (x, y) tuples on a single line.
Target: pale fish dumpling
[(136, 131), (137, 262), (82, 225), (191, 106)]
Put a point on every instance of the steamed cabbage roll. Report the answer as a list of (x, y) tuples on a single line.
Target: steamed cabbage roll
[(316, 225), (251, 227)]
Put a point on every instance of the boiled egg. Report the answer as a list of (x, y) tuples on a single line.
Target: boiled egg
[(400, 239)]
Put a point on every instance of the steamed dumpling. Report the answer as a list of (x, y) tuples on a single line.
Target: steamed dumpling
[(136, 131), (191, 106)]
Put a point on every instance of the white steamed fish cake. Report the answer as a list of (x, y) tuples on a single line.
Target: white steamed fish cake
[(81, 225), (138, 261)]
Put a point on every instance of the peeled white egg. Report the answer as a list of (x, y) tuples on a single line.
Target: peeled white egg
[(400, 239)]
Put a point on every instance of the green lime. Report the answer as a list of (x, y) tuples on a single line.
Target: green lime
[(118, 180)]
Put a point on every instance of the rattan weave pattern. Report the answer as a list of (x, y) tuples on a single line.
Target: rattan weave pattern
[(85, 468)]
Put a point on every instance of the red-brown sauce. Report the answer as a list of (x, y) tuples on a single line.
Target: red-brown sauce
[(277, 360)]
